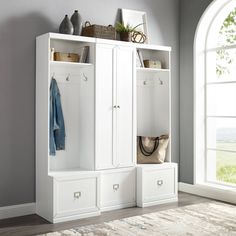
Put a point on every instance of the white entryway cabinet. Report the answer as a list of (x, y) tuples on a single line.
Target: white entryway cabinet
[(107, 102)]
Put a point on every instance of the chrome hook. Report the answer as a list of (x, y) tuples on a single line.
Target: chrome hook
[(85, 77), (161, 82), (68, 77)]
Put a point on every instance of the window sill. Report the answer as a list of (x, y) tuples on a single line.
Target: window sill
[(214, 191)]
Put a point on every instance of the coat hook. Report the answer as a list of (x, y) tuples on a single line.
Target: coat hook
[(68, 77), (85, 77), (53, 75), (145, 82), (161, 82)]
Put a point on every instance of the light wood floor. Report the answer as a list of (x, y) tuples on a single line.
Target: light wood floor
[(33, 224)]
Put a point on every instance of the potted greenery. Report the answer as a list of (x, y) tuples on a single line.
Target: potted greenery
[(125, 31)]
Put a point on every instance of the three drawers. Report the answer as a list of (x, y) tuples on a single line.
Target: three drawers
[(85, 195), (118, 189), (75, 196)]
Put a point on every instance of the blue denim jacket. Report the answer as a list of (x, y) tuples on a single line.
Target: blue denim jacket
[(57, 126)]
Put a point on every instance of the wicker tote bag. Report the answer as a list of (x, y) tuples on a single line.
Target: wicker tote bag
[(152, 150)]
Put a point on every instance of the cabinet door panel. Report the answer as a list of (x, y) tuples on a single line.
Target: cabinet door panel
[(104, 106), (124, 85)]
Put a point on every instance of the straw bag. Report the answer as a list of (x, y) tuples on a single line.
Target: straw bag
[(152, 150)]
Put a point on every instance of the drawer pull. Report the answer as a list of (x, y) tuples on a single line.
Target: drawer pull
[(116, 187), (159, 182), (77, 195)]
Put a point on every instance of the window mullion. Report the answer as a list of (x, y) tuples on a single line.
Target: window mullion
[(227, 47)]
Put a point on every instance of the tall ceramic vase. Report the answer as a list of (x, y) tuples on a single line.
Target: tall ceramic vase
[(77, 22), (66, 27)]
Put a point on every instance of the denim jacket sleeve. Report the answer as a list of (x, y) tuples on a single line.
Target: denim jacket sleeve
[(57, 126)]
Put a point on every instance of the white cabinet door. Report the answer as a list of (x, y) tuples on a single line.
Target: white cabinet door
[(104, 106), (124, 114), (114, 106)]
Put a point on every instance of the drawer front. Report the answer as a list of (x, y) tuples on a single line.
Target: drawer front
[(75, 196), (159, 184), (117, 188)]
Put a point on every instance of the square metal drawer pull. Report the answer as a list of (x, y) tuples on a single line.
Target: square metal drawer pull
[(116, 187), (159, 182), (77, 195)]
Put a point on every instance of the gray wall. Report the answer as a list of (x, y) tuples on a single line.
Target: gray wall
[(190, 13), (20, 22)]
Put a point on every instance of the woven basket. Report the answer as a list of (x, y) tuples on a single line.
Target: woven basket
[(152, 64), (68, 57), (99, 31)]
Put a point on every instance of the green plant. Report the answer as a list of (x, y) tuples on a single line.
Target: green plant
[(227, 36), (227, 174), (121, 27)]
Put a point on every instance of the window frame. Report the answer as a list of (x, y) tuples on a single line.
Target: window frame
[(216, 12)]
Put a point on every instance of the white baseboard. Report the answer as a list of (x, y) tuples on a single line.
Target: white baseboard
[(76, 217), (116, 207), (155, 203), (17, 210), (224, 194)]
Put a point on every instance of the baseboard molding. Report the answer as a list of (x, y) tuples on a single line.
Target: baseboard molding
[(221, 194), (120, 206), (76, 217), (155, 203), (17, 210)]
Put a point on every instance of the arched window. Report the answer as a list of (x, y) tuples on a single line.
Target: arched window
[(215, 95)]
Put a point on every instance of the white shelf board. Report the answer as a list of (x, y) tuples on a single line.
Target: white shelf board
[(69, 172), (152, 47), (143, 69), (68, 37), (73, 64), (77, 38), (157, 166)]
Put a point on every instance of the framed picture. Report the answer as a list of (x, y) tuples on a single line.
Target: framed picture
[(139, 59), (134, 18)]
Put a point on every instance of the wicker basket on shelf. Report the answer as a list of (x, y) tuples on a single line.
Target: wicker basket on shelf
[(99, 31), (68, 57)]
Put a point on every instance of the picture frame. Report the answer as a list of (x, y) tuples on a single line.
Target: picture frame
[(139, 62), (134, 18)]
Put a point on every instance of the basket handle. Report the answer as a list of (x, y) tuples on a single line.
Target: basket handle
[(87, 23)]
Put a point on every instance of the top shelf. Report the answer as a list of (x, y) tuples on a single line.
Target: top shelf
[(143, 69), (75, 38)]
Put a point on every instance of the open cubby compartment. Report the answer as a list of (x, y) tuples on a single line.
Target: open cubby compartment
[(160, 55), (153, 105), (76, 85), (67, 46)]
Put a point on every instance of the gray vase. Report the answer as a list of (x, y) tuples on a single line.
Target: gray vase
[(66, 27), (77, 22)]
